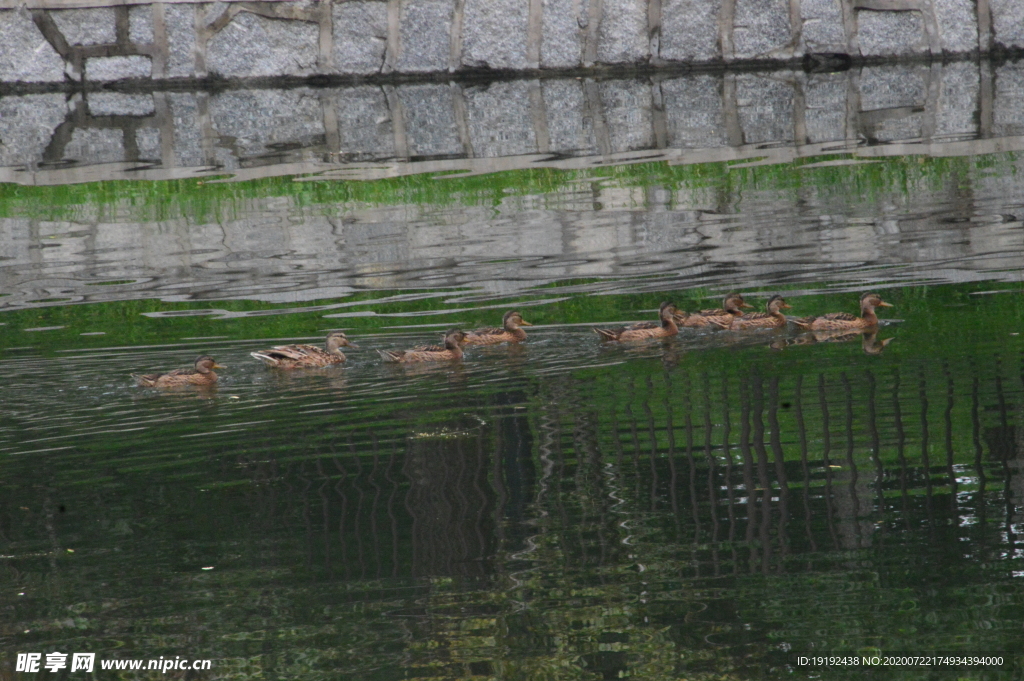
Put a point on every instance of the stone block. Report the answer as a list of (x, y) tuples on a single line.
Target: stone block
[(623, 35), (570, 128), (627, 114), (693, 112), (365, 125), (689, 30), (561, 41), (140, 24), (179, 22), (26, 126), (898, 128), (95, 145), (765, 108), (1009, 100), (105, 69), (26, 55), (360, 36), (500, 121), (1008, 22), (761, 29), (425, 35), (430, 126), (825, 107), (119, 104), (147, 141), (957, 106), (888, 87), (494, 34), (188, 143), (252, 46), (86, 26), (890, 33), (958, 25), (822, 26), (260, 121)]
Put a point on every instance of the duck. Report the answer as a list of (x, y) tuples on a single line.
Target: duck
[(837, 321), (202, 374), (732, 306), (508, 333), (307, 356), (452, 349), (772, 319), (644, 330)]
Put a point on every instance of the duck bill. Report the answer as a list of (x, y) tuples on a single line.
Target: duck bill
[(218, 366), (884, 304), (786, 307), (352, 345), (525, 323), (746, 305)]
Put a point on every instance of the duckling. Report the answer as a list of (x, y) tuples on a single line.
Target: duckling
[(644, 330), (306, 356), (509, 333), (732, 306), (772, 319), (202, 374), (837, 321), (452, 349)]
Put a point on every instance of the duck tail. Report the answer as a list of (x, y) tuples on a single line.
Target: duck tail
[(144, 380), (390, 355), (266, 359), (607, 334)]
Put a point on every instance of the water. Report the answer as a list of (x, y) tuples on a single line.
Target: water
[(712, 506)]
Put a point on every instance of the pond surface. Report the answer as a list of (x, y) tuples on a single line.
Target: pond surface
[(712, 506)]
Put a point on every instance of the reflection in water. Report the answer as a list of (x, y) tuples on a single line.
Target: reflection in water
[(870, 343), (713, 513)]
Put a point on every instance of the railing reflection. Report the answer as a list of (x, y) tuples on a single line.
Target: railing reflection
[(743, 474)]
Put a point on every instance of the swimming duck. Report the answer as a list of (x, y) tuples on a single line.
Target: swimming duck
[(508, 333), (644, 330), (452, 349), (772, 319), (842, 320), (306, 356), (202, 374), (731, 307)]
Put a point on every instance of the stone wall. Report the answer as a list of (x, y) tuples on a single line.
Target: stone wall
[(50, 41)]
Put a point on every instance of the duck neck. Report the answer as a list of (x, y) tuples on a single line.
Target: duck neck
[(867, 313), (454, 348), (334, 348), (516, 331), (669, 324)]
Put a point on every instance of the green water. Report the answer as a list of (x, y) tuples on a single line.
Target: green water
[(714, 506)]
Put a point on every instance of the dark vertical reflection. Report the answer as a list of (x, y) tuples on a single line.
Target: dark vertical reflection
[(979, 467), (826, 461), (798, 408), (780, 468), (763, 481), (948, 420), (926, 468), (901, 439), (710, 459), (846, 496), (448, 501), (749, 485)]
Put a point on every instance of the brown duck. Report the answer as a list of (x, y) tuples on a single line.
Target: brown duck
[(202, 374), (306, 356), (644, 330), (508, 333), (837, 321), (732, 306), (452, 349), (772, 319)]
